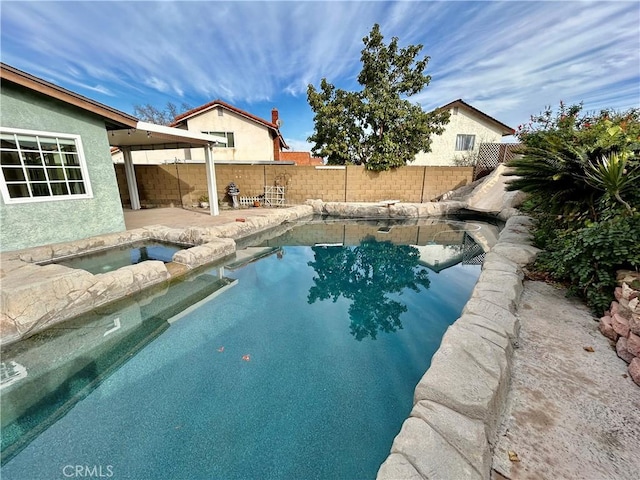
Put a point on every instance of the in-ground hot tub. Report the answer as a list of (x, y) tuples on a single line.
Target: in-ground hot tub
[(113, 258)]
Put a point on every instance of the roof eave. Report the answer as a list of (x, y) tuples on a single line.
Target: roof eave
[(506, 129), (115, 118)]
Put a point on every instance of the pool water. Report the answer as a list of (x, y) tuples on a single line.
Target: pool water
[(299, 365), (113, 258)]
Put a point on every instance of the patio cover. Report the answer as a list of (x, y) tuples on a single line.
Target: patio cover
[(149, 136)]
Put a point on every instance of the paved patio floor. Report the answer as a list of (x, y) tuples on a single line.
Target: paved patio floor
[(188, 217)]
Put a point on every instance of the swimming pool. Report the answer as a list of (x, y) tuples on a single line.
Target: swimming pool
[(274, 368)]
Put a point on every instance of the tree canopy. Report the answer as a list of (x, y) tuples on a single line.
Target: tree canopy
[(376, 127), (152, 114)]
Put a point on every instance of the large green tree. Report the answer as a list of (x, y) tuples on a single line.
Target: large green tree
[(377, 127)]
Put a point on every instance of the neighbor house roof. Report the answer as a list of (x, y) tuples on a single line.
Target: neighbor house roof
[(113, 118), (301, 158), (273, 128), (505, 129)]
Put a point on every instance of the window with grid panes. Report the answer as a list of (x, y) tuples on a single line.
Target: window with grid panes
[(41, 166)]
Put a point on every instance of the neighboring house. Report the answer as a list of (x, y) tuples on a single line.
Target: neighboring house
[(58, 182), (468, 127), (249, 139), (57, 179)]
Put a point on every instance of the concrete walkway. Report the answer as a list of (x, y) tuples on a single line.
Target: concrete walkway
[(572, 413)]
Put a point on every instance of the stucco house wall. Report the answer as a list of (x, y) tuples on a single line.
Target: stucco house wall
[(252, 141), (30, 224), (463, 120)]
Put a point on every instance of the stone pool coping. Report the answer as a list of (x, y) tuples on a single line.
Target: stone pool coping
[(34, 297), (460, 400)]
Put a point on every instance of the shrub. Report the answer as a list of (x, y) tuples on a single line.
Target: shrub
[(588, 257), (581, 172)]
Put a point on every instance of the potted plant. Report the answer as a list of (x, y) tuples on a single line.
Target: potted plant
[(204, 201)]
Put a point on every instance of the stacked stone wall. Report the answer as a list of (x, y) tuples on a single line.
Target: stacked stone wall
[(621, 323)]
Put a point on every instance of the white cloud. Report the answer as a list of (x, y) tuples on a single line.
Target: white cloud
[(509, 59), (298, 145)]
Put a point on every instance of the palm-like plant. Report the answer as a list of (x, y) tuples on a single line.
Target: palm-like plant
[(614, 175), (553, 173)]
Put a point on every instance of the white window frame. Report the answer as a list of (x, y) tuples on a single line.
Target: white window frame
[(51, 198), (460, 140)]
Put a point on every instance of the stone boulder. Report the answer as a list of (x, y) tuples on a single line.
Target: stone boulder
[(633, 344), (607, 329), (622, 350), (205, 253), (620, 325), (634, 370)]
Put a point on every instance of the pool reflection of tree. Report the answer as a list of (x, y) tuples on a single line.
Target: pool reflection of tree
[(366, 274)]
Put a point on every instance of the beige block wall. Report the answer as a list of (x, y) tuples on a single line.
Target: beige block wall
[(164, 185), (304, 182), (404, 184), (439, 180), (248, 178)]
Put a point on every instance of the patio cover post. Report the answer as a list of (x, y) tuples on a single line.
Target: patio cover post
[(130, 174), (211, 180)]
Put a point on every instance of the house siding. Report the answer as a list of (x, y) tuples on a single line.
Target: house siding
[(33, 224), (443, 146), (253, 141)]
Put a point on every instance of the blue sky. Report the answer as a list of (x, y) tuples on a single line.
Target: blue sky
[(509, 59)]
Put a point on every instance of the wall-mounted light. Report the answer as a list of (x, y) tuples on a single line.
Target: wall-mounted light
[(148, 134)]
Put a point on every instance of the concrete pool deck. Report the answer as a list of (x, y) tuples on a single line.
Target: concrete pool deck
[(570, 413), (190, 217)]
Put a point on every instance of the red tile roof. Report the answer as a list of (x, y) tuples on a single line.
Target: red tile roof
[(301, 158)]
